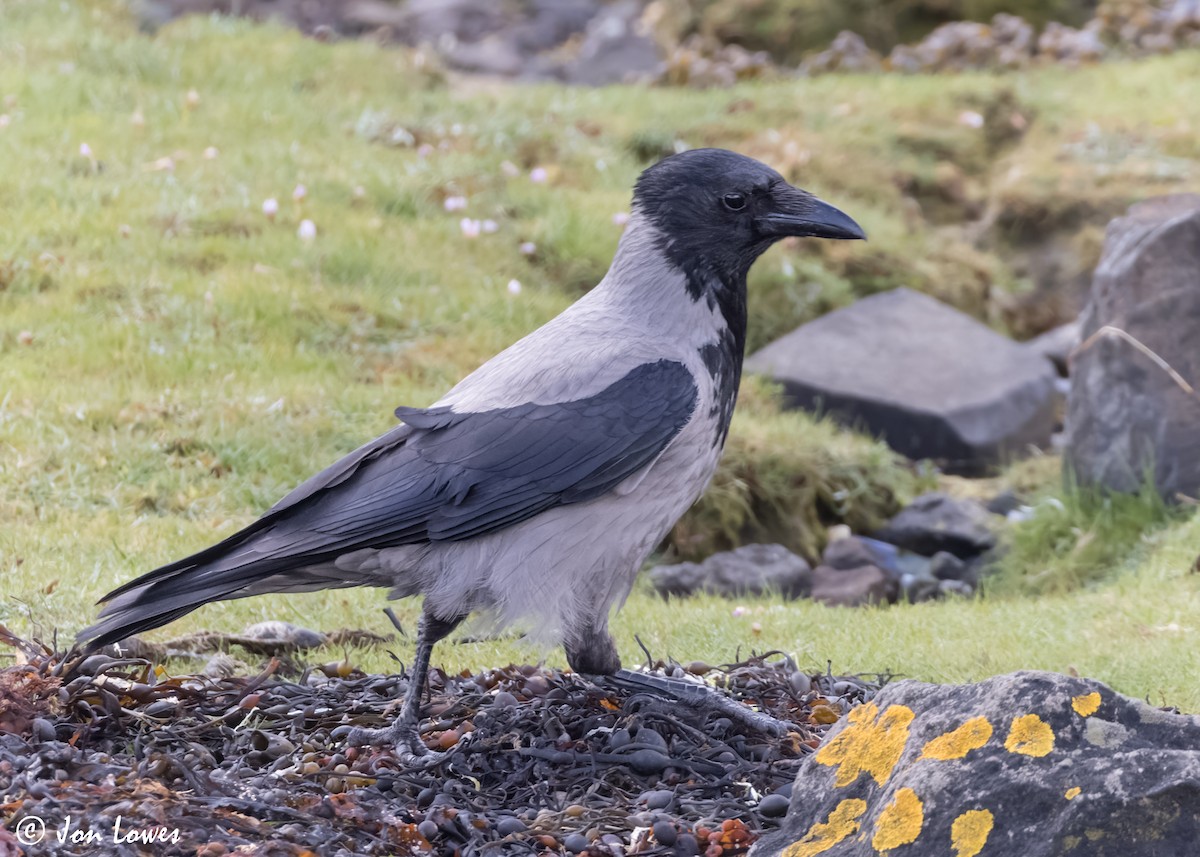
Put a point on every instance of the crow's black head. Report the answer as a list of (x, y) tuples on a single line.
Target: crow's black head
[(718, 211)]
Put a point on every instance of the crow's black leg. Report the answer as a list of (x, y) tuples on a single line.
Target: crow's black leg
[(404, 733)]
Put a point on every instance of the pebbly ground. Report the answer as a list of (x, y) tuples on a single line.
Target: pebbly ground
[(542, 761)]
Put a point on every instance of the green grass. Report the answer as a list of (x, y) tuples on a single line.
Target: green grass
[(1080, 537), (171, 362)]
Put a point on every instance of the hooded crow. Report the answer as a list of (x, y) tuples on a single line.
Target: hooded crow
[(535, 489)]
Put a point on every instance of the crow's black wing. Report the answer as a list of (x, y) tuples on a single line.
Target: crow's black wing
[(444, 476)]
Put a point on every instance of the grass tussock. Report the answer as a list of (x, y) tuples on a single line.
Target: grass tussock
[(786, 476), (1079, 537)]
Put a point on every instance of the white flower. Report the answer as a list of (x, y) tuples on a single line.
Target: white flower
[(5, 119), (425, 150), (971, 119), (455, 203), (470, 228), (124, 230), (489, 226), (307, 230), (270, 207), (538, 175), (85, 151), (137, 120), (514, 287), (193, 98), (509, 169), (528, 248), (210, 153), (299, 193)]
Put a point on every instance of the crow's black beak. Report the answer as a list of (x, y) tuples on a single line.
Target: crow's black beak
[(801, 214)]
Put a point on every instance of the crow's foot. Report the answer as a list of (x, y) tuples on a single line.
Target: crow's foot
[(694, 693), (410, 749)]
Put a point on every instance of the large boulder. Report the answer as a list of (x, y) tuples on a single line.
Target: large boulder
[(1023, 765), (749, 570), (937, 522), (1133, 410), (931, 381)]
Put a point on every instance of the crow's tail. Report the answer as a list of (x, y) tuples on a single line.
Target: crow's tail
[(247, 563)]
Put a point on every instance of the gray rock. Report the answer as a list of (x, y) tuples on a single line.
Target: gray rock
[(955, 587), (1056, 345), (1022, 765), (915, 588), (946, 566), (1133, 409), (931, 381), (614, 48), (847, 553), (276, 634), (852, 587), (749, 570), (936, 522), (1004, 502)]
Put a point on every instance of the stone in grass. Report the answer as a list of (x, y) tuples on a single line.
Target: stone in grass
[(931, 381), (912, 574), (938, 522), (277, 634), (749, 570), (1023, 765), (853, 587)]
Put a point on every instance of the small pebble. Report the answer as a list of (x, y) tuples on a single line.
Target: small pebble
[(665, 833), (428, 829), (686, 844), (43, 729), (576, 843), (504, 699), (574, 811), (659, 799), (648, 761), (800, 683), (651, 738), (510, 825), (773, 806)]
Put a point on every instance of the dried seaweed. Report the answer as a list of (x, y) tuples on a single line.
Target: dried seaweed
[(542, 761)]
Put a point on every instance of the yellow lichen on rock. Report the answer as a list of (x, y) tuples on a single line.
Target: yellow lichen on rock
[(900, 822), (958, 742), (970, 831), (1030, 735), (1073, 792), (871, 742), (1086, 704), (841, 824)]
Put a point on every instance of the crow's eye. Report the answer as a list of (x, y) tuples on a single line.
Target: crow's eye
[(734, 201)]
